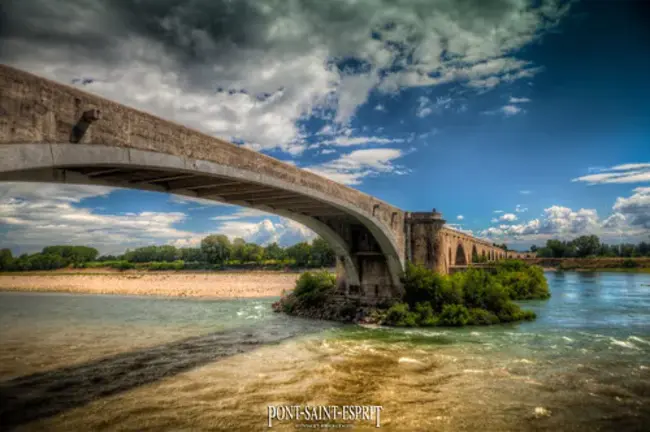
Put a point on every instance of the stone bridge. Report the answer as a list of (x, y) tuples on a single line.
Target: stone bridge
[(51, 132)]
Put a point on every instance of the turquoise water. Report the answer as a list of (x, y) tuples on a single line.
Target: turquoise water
[(82, 362)]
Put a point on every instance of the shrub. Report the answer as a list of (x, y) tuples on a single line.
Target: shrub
[(629, 263), (400, 316), (425, 315), (423, 285), (482, 317), (312, 288), (454, 315)]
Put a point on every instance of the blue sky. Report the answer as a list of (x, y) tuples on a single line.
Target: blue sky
[(519, 121)]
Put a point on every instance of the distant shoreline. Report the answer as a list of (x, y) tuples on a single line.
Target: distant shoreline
[(222, 284)]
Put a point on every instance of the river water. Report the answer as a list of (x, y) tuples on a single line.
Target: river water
[(87, 362)]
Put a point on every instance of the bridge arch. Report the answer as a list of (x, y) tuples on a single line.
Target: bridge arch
[(461, 257), (97, 164)]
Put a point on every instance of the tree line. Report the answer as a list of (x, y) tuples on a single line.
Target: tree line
[(590, 246), (215, 251)]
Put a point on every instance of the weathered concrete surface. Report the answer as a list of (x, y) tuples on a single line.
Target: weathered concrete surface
[(53, 132)]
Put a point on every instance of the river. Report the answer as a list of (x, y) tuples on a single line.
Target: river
[(93, 362)]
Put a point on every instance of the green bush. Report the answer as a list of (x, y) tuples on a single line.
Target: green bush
[(400, 316), (312, 288), (454, 315), (423, 285), (482, 317), (629, 263)]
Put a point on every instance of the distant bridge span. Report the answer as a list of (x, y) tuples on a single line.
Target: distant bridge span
[(51, 132)]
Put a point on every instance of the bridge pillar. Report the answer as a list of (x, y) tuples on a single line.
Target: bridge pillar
[(424, 245)]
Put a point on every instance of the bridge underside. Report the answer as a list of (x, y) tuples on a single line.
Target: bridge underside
[(363, 269)]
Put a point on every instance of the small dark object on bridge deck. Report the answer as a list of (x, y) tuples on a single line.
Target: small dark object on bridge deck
[(87, 118)]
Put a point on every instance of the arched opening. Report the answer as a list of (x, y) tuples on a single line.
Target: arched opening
[(460, 255), (474, 254), (451, 262), (483, 256), (95, 164)]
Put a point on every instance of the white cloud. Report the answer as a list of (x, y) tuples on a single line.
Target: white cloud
[(460, 217), (520, 209), (506, 111), (514, 100), (508, 217), (498, 211), (630, 219), (351, 168), (39, 215), (348, 141), (635, 210), (267, 66), (625, 173), (525, 192), (240, 213)]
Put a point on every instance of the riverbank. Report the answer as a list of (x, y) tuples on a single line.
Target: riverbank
[(596, 264), (248, 284)]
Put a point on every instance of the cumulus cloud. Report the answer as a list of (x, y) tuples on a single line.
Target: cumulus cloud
[(508, 217), (39, 215), (460, 217), (630, 218), (514, 100), (351, 168), (520, 209), (252, 71), (625, 173)]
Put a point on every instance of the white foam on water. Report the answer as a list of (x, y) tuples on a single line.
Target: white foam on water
[(541, 412), (623, 344), (643, 367), (568, 339), (408, 360), (638, 339), (258, 307), (526, 361), (475, 334), (473, 371), (240, 313)]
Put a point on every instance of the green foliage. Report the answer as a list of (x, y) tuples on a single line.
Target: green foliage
[(145, 254), (482, 317), (423, 285), (454, 315), (300, 253), (523, 281), (400, 316), (216, 248), (6, 259), (322, 254), (72, 254), (629, 263), (472, 297), (312, 288)]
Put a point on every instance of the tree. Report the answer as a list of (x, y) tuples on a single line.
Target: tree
[(274, 252), (6, 259), (72, 254), (322, 254), (216, 248), (191, 254), (533, 248), (586, 245), (238, 249), (300, 252)]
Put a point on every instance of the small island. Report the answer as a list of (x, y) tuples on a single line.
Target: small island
[(473, 297)]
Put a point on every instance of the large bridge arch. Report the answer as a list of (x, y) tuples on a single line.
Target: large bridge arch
[(326, 215)]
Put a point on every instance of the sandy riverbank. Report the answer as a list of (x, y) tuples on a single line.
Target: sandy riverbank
[(177, 284)]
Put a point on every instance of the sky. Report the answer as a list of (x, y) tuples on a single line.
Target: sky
[(519, 120)]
